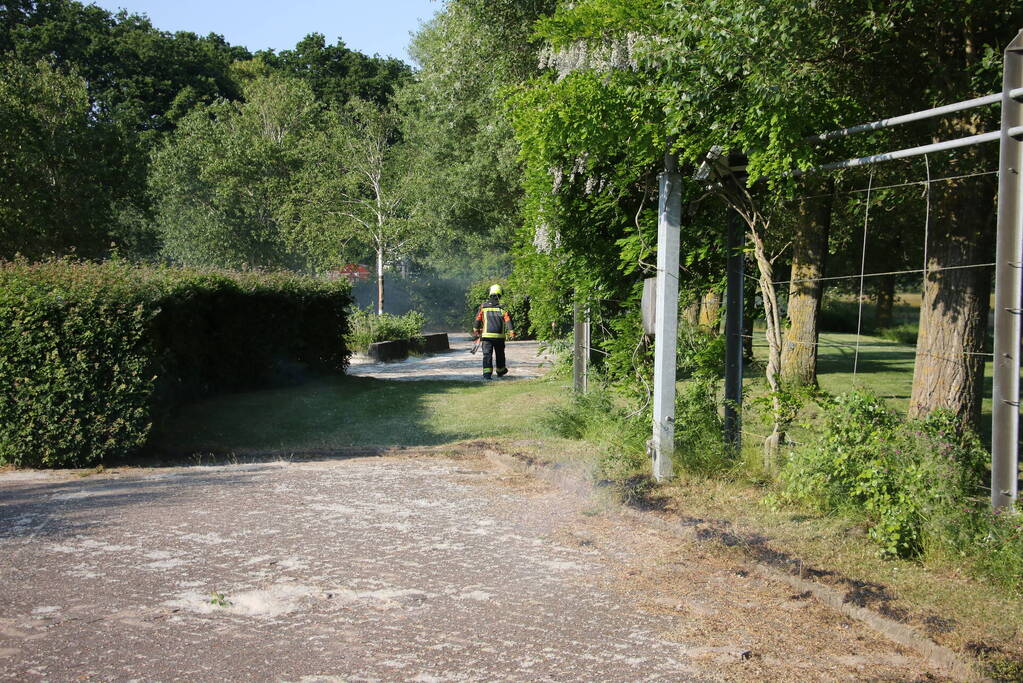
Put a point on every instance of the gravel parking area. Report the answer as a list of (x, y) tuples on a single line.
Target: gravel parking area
[(409, 567)]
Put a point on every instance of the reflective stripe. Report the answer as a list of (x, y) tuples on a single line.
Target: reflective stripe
[(493, 325)]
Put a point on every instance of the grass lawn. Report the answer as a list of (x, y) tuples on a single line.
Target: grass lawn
[(884, 368), (358, 411)]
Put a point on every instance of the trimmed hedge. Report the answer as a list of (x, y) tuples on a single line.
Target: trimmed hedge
[(91, 355)]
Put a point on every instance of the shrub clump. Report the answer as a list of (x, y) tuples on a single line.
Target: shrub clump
[(903, 334), (91, 355), (366, 327), (598, 418), (918, 483)]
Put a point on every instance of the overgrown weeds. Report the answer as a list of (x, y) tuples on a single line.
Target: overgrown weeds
[(916, 483), (366, 327), (916, 486)]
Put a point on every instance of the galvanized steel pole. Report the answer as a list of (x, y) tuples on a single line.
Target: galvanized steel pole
[(735, 268), (579, 344), (1008, 290), (666, 325)]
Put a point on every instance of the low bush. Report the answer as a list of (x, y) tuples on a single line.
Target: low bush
[(366, 327), (918, 483), (516, 304), (91, 355), (699, 441)]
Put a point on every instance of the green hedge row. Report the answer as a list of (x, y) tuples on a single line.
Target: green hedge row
[(91, 355)]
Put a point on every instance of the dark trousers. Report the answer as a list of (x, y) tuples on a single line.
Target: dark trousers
[(491, 348)]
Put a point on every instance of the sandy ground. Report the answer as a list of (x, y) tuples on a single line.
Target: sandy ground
[(523, 358), (410, 567)]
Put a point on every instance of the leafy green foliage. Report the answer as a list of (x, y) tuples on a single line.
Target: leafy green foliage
[(351, 189), (338, 74), (80, 132), (56, 167), (468, 183), (366, 327), (222, 181), (910, 479), (137, 75), (91, 355), (699, 442)]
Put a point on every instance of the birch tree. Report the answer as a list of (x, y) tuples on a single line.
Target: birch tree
[(352, 193)]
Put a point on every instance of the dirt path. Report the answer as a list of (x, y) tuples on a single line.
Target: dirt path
[(416, 568), (523, 357)]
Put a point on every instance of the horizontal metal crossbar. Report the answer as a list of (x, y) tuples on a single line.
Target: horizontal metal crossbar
[(994, 98), (912, 151)]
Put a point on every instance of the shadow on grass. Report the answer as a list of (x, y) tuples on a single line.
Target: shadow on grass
[(336, 413)]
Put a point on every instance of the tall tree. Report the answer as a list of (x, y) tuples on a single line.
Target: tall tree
[(135, 73), (806, 290), (222, 182), (56, 165), (139, 82), (469, 187), (353, 191), (338, 74)]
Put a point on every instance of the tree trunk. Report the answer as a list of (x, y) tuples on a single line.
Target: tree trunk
[(884, 316), (691, 313), (380, 281), (710, 312), (809, 250), (954, 311)]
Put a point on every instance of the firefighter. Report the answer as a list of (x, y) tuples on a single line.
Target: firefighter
[(492, 325)]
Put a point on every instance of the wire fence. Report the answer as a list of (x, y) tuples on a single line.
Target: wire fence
[(870, 354)]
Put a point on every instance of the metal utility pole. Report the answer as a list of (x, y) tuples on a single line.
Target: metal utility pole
[(1008, 290), (735, 269), (580, 349), (662, 445)]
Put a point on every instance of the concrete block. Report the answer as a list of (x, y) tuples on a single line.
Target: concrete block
[(388, 350)]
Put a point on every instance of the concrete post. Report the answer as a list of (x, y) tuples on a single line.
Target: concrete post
[(666, 324), (579, 353), (1008, 291), (587, 350)]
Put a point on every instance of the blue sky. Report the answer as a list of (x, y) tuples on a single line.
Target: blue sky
[(380, 26)]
